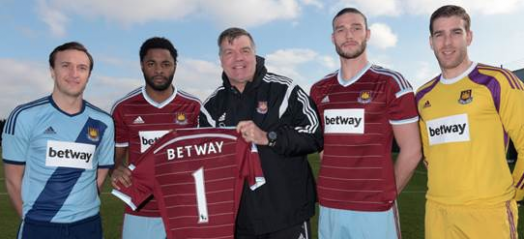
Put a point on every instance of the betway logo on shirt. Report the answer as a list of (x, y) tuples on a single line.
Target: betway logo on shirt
[(349, 121), (195, 150), (449, 129), (148, 138), (69, 154)]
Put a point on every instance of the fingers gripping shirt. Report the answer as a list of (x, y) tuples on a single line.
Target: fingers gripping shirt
[(197, 176)]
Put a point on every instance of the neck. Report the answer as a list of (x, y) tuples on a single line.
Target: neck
[(159, 96), (351, 67), (68, 104), (451, 73)]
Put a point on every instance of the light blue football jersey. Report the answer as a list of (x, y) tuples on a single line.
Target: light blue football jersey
[(61, 153)]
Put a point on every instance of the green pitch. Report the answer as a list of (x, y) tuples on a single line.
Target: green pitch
[(411, 204)]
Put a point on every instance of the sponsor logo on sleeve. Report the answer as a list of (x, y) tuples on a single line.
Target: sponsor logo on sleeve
[(69, 154), (345, 121), (148, 138), (448, 129)]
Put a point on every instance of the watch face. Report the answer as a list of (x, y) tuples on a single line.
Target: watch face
[(272, 135)]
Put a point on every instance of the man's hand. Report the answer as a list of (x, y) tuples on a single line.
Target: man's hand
[(252, 133), (121, 174)]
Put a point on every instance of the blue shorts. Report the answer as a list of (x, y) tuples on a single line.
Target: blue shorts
[(89, 228), (348, 224), (137, 227)]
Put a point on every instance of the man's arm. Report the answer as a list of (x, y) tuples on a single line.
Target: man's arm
[(121, 172), (304, 134), (100, 177), (13, 182), (408, 140)]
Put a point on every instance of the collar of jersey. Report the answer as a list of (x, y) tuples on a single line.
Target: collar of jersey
[(53, 103), (353, 79), (161, 104), (459, 77)]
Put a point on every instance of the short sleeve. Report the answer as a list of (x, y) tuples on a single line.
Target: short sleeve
[(15, 138), (121, 129), (106, 148), (402, 108)]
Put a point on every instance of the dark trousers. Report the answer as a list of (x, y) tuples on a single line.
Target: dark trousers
[(89, 228), (300, 231)]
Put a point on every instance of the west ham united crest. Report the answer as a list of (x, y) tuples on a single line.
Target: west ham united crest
[(93, 134), (465, 97), (181, 118), (365, 97), (262, 107)]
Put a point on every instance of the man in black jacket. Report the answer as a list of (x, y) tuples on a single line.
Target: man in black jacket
[(278, 116)]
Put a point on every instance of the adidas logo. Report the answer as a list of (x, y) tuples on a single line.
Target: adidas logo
[(301, 236), (222, 117), (138, 120), (427, 104), (325, 100), (50, 130)]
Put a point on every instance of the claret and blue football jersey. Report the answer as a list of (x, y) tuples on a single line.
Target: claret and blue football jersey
[(357, 172), (465, 124), (61, 154)]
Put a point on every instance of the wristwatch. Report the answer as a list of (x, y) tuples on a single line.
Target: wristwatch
[(272, 138)]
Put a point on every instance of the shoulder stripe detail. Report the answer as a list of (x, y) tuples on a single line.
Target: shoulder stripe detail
[(9, 127), (309, 112), (513, 82), (95, 108), (189, 96), (403, 92), (402, 83), (214, 94), (133, 93), (278, 79), (424, 89)]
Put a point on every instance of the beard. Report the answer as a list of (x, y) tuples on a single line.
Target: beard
[(349, 54), (150, 81), (452, 63)]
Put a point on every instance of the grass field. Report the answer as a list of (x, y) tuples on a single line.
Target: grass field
[(411, 204)]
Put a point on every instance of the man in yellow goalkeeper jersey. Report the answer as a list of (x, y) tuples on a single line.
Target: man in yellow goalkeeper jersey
[(467, 115)]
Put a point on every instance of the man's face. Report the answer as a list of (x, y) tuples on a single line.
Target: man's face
[(350, 35), (449, 41), (158, 68), (70, 73), (238, 60)]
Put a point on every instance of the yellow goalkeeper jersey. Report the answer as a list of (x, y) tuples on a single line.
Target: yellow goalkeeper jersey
[(465, 123)]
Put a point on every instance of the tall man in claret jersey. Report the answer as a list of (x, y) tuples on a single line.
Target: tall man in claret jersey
[(467, 114), (363, 107), (143, 116), (57, 151)]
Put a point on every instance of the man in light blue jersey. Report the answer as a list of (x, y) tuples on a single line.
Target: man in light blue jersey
[(57, 151)]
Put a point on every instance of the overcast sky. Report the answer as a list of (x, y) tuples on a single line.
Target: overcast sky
[(293, 36)]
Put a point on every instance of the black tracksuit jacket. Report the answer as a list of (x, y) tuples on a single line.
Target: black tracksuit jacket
[(277, 104)]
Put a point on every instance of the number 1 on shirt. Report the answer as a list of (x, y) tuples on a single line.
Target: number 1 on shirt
[(201, 195)]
